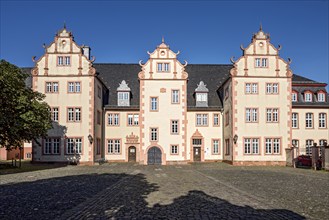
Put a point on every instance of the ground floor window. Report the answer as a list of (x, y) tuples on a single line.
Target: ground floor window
[(174, 149), (251, 145), (74, 145), (215, 146), (114, 146), (51, 145)]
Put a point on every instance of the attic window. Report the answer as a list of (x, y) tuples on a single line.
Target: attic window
[(294, 96), (261, 62), (308, 96), (163, 67), (123, 94), (201, 95), (321, 97)]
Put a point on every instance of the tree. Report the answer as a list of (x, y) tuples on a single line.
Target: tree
[(24, 115)]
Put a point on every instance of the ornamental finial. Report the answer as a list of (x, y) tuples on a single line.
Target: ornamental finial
[(162, 39), (260, 27)]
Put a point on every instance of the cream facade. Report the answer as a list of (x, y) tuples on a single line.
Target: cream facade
[(167, 112)]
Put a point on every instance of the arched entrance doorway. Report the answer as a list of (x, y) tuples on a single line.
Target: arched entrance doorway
[(132, 154), (154, 156)]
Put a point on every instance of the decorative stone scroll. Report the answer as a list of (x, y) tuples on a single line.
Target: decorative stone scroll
[(132, 139)]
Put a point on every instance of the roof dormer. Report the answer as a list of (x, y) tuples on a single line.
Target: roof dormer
[(123, 94), (201, 95)]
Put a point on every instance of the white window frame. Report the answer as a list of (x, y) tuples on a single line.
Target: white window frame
[(202, 119), (154, 134), (175, 96), (309, 120), (154, 103), (294, 97), (216, 119), (294, 120), (308, 97), (321, 97), (113, 146), (55, 114), (113, 119), (322, 120), (174, 149), (174, 126), (215, 146)]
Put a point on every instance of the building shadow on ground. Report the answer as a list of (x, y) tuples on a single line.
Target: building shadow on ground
[(116, 196)]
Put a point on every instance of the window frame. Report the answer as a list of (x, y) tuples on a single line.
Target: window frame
[(175, 99), (174, 127), (74, 114), (114, 146), (154, 134), (324, 120), (251, 141), (204, 119), (156, 98), (294, 119), (112, 120), (308, 96), (74, 147), (213, 152), (174, 151), (310, 119)]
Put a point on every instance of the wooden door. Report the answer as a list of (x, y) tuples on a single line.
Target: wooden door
[(196, 154), (154, 156), (132, 154)]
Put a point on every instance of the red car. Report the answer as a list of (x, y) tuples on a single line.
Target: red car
[(306, 161)]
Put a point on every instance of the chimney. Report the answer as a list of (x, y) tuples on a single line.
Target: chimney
[(86, 51)]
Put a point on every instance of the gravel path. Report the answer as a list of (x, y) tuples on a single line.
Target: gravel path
[(197, 191)]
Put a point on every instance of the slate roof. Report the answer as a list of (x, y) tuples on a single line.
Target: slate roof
[(213, 75)]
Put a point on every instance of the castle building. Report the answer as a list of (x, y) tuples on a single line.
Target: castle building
[(167, 112)]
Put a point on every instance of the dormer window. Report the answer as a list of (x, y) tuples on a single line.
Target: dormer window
[(308, 96), (321, 97), (123, 94), (294, 97), (163, 67), (201, 95)]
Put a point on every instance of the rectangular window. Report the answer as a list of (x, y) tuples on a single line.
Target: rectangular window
[(114, 146), (321, 97), (130, 119), (70, 112), (294, 120), (227, 147), (113, 119), (201, 119), (159, 67), (257, 62), (74, 145), (295, 143), (251, 115), (166, 67), (154, 103), (251, 88), (272, 115), (294, 97), (47, 147), (216, 119), (261, 62), (272, 88), (98, 117), (215, 146), (197, 142), (308, 97), (174, 149), (54, 113), (77, 114), (67, 61), (60, 61), (254, 88), (174, 127), (51, 146), (63, 61), (268, 146), (322, 120), (51, 87), (248, 88), (154, 134), (251, 145), (272, 145), (309, 145), (74, 87), (202, 97), (175, 96), (98, 146), (163, 67), (309, 120)]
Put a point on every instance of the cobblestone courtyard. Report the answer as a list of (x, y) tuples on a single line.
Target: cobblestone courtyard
[(197, 191)]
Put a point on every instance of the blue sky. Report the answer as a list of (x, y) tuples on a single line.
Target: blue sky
[(204, 31)]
